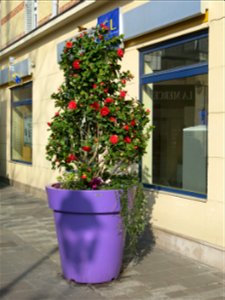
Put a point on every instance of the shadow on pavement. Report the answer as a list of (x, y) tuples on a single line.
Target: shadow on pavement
[(6, 289)]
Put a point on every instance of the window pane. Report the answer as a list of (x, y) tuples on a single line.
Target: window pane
[(22, 93), (180, 136), (188, 53), (21, 133)]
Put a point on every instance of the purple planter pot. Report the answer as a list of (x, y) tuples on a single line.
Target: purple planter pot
[(90, 233)]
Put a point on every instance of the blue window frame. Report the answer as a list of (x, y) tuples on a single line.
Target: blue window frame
[(21, 123), (174, 85)]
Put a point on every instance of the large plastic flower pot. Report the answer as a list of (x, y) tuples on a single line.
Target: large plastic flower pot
[(90, 233)]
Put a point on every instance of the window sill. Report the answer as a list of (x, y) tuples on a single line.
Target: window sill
[(21, 162), (176, 193)]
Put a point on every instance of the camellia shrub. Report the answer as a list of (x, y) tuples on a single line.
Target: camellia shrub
[(98, 132)]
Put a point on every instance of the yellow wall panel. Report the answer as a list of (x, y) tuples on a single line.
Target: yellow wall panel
[(44, 11), (189, 217), (63, 2), (8, 6), (12, 29), (66, 4)]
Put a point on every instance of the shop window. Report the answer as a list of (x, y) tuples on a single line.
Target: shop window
[(21, 123), (174, 85)]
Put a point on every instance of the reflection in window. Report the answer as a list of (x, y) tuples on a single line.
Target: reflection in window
[(180, 137), (185, 54), (178, 157), (21, 133)]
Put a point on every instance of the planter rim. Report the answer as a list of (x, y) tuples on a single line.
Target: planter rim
[(60, 189), (84, 201)]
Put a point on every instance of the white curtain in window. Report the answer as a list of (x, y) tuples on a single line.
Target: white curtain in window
[(30, 15)]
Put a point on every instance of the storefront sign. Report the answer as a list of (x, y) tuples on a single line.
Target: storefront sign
[(174, 92), (111, 19)]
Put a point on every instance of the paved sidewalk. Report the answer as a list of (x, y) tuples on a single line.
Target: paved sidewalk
[(30, 268)]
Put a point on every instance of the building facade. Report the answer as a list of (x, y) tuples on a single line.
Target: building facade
[(176, 52)]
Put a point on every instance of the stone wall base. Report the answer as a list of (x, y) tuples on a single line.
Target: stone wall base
[(195, 249), (39, 193)]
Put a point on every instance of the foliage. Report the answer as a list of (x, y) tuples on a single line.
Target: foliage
[(98, 132), (134, 207)]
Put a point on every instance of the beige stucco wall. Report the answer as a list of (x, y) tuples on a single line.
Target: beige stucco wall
[(190, 217), (8, 6), (4, 129), (13, 28), (44, 11), (64, 2), (216, 148)]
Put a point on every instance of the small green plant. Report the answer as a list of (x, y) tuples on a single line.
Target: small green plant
[(98, 132)]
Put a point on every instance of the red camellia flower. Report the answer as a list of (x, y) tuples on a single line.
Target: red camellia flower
[(94, 86), (86, 148), (120, 52), (108, 100), (127, 139), (133, 123), (57, 114), (112, 119), (106, 91), (76, 64), (148, 111), (123, 81), (72, 104), (104, 111), (102, 83), (95, 105), (126, 127), (123, 94), (49, 124), (104, 26), (114, 139), (84, 176), (69, 44), (71, 157)]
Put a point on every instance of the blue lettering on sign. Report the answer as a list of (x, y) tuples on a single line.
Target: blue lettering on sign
[(111, 20), (16, 78)]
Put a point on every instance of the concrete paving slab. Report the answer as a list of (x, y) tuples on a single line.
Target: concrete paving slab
[(30, 267)]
